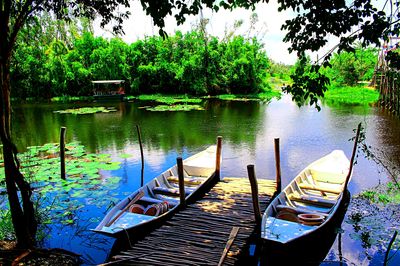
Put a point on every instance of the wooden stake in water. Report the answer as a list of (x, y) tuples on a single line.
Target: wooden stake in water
[(353, 154), (218, 162), (254, 192), (181, 178), (141, 155), (62, 151), (278, 167)]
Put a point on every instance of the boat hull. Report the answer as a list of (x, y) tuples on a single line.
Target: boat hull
[(122, 220), (310, 249)]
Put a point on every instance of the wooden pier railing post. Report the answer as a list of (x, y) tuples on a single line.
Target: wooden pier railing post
[(218, 157), (254, 193), (141, 155), (62, 151), (181, 178), (278, 167)]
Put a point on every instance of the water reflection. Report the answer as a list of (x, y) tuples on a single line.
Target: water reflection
[(248, 130)]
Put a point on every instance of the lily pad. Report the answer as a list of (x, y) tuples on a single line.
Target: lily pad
[(177, 107), (87, 110)]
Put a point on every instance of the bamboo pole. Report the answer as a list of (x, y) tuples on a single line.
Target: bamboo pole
[(254, 193), (141, 155), (232, 237), (278, 167), (218, 157), (352, 157), (181, 177), (62, 151)]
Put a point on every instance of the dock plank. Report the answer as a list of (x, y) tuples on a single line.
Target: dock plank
[(198, 234)]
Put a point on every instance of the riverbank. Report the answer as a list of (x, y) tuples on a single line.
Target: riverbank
[(351, 95)]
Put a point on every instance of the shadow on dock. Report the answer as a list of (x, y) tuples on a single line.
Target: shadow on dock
[(198, 234)]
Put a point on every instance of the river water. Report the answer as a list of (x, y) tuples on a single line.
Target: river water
[(248, 130)]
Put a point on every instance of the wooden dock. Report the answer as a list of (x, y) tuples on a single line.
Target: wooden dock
[(198, 234)]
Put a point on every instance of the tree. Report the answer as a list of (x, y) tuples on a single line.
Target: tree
[(13, 16), (347, 68), (314, 23)]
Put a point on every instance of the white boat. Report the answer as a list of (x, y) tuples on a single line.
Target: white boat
[(158, 199), (309, 202)]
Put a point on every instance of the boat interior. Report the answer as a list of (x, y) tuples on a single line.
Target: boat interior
[(307, 195)]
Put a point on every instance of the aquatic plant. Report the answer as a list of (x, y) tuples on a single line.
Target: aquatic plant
[(87, 110), (177, 107), (59, 200), (351, 95)]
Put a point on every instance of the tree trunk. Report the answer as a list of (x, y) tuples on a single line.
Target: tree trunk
[(23, 217)]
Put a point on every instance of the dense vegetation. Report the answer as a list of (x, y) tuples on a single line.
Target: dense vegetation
[(348, 77), (192, 63)]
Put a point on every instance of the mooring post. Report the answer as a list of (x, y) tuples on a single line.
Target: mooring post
[(181, 178), (254, 193), (62, 151), (218, 162), (353, 154), (141, 155), (278, 167)]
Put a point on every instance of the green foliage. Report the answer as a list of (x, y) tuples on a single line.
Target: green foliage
[(393, 59), (190, 63), (308, 82), (384, 194), (280, 71), (348, 68), (6, 227), (351, 95)]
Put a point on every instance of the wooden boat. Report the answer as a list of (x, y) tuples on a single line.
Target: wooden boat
[(160, 198), (308, 203)]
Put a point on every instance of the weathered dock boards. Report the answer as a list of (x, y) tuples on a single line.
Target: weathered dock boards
[(198, 234)]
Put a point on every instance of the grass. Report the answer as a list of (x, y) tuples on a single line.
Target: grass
[(6, 227), (351, 95)]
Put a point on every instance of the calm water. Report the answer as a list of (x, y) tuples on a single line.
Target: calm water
[(248, 130)]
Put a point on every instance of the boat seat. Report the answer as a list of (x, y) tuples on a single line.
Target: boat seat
[(168, 191), (153, 200), (312, 200), (299, 210), (319, 188), (189, 181)]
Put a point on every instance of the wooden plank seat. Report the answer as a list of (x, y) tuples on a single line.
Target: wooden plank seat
[(319, 188), (300, 210), (168, 191), (188, 180), (312, 200), (171, 203)]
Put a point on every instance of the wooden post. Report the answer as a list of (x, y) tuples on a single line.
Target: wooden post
[(254, 193), (352, 157), (278, 167), (141, 155), (218, 157), (181, 178), (62, 151)]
